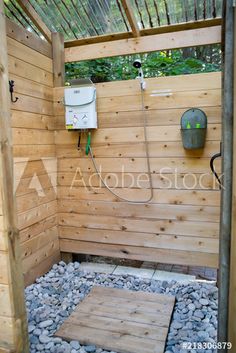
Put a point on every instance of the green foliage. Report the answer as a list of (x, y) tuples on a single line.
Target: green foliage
[(164, 63)]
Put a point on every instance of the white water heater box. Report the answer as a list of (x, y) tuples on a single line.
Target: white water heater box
[(80, 106)]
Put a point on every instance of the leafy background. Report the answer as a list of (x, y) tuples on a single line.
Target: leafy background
[(164, 63)]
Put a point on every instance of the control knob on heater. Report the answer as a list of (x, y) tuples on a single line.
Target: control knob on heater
[(85, 119)]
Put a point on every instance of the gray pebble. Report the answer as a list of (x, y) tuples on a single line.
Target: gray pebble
[(191, 307), (199, 314), (44, 339), (45, 323), (90, 349), (75, 344), (203, 335), (204, 301), (176, 325)]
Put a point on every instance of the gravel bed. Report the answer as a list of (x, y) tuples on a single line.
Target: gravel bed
[(54, 296)]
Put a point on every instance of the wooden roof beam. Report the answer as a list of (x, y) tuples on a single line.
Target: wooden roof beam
[(36, 19), (145, 44), (144, 32), (131, 17)]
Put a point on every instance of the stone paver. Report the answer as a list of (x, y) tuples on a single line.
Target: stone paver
[(138, 272)]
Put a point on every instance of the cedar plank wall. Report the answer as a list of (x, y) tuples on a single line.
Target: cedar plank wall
[(180, 225), (34, 154), (6, 314)]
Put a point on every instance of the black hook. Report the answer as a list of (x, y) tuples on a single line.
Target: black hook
[(217, 155), (11, 89)]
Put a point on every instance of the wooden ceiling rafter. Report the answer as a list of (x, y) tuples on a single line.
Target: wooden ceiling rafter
[(36, 19), (131, 17), (144, 32), (145, 44)]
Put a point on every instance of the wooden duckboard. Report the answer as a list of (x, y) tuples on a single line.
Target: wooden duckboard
[(121, 320)]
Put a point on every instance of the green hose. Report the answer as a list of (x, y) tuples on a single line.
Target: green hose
[(87, 149)]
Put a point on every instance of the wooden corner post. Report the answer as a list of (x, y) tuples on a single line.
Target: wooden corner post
[(59, 81), (58, 59), (13, 320)]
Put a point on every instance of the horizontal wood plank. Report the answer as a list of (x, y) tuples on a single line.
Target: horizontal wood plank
[(146, 211), (30, 246), (140, 253), (181, 39), (119, 165), (169, 100), (136, 134), (137, 149), (165, 196), (34, 151), (33, 105), (35, 198), (28, 120), (40, 227), (32, 136), (41, 268), (27, 38), (198, 229), (147, 240), (28, 55), (28, 71), (30, 88), (165, 180), (202, 81), (40, 255), (36, 214), (153, 117)]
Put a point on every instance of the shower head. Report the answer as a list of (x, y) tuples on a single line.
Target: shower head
[(137, 64)]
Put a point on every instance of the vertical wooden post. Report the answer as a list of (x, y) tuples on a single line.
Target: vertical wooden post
[(13, 320), (58, 59), (59, 81), (232, 293)]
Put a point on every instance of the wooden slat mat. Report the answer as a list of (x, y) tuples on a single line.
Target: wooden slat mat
[(121, 320)]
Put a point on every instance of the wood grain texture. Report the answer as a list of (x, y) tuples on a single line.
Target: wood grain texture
[(58, 59), (179, 257), (33, 125), (123, 320), (13, 319), (183, 216), (28, 55), (182, 39), (27, 38)]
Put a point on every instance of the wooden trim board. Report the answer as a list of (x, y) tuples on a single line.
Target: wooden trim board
[(156, 42)]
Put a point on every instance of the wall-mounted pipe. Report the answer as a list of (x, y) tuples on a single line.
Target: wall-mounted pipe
[(227, 160)]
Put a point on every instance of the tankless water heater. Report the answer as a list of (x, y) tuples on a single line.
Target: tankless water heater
[(80, 107)]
